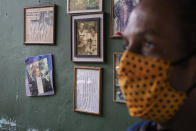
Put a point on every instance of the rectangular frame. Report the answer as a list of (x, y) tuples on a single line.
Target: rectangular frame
[(39, 75), (90, 89), (42, 23), (118, 14), (117, 94), (87, 36), (83, 10)]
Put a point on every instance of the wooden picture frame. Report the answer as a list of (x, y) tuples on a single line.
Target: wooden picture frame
[(117, 94), (87, 89), (118, 21), (39, 25), (84, 6), (87, 38)]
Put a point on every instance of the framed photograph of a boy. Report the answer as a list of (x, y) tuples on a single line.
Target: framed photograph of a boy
[(38, 75), (117, 94), (39, 25), (87, 38), (87, 89), (84, 6)]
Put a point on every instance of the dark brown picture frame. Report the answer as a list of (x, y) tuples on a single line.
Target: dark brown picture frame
[(116, 86), (39, 21), (99, 18), (98, 87)]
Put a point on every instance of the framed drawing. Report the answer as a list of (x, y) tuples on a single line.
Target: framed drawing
[(87, 89), (39, 25), (87, 38), (117, 94), (84, 6), (38, 75), (120, 11)]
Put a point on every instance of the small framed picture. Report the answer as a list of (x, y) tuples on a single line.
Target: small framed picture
[(38, 75), (120, 11), (87, 89), (117, 94), (39, 25), (87, 38), (84, 6)]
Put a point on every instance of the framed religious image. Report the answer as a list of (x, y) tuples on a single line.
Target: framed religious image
[(87, 89), (117, 94), (120, 11), (39, 25), (84, 6), (87, 38), (38, 75)]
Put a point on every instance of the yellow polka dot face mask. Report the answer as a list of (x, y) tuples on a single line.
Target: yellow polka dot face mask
[(146, 87)]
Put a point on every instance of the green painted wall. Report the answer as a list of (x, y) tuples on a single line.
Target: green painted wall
[(53, 113)]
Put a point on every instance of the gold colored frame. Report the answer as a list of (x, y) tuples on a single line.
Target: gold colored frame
[(75, 92)]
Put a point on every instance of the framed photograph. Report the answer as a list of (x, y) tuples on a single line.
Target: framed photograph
[(120, 11), (38, 75), (84, 6), (39, 25), (87, 89), (87, 38), (117, 94)]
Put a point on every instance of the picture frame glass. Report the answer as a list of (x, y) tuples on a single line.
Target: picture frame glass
[(39, 25), (118, 96), (120, 12), (87, 38), (38, 75), (87, 91), (79, 6)]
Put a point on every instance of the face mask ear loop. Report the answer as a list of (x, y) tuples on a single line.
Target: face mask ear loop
[(184, 58), (188, 92)]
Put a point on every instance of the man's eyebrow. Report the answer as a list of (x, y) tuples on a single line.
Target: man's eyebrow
[(142, 33), (149, 32)]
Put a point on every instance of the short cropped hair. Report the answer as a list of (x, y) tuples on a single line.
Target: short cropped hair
[(188, 23)]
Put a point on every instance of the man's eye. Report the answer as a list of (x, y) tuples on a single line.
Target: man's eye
[(148, 44)]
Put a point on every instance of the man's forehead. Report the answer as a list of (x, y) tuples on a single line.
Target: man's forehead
[(150, 19)]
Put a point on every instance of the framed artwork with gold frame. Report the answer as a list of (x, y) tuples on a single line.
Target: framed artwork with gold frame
[(84, 6), (87, 89)]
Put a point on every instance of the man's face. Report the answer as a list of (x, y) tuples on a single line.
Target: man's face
[(37, 72), (153, 31)]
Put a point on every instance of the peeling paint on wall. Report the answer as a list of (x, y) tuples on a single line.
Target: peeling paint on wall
[(7, 124), (32, 129)]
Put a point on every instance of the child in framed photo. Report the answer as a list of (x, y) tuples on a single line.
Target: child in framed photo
[(87, 38), (38, 75)]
